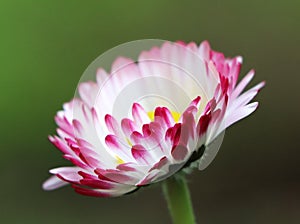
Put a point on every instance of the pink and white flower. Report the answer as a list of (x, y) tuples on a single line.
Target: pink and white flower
[(114, 155)]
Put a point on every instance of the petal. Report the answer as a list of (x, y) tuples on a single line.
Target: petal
[(141, 155), (139, 115), (53, 183), (88, 92), (179, 152), (120, 149), (162, 162), (210, 152), (204, 50), (120, 63), (103, 193), (69, 174), (126, 167), (128, 127), (95, 182), (149, 178), (64, 124), (119, 176), (163, 116), (101, 76), (94, 192), (61, 145), (240, 113), (241, 86), (112, 125)]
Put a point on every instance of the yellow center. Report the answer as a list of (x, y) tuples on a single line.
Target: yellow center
[(175, 115), (119, 160)]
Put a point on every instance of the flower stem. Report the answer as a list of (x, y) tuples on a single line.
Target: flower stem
[(177, 194)]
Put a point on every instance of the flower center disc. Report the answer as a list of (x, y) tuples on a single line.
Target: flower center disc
[(175, 115)]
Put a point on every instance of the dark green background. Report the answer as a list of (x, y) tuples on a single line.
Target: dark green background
[(45, 47)]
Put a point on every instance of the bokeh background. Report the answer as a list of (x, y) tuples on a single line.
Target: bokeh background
[(45, 47)]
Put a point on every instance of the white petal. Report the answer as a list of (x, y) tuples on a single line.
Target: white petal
[(241, 86), (210, 152), (88, 92), (53, 183), (240, 113)]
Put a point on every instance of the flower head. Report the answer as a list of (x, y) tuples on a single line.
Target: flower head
[(114, 152)]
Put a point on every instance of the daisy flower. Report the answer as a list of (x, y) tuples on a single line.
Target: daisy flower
[(181, 97)]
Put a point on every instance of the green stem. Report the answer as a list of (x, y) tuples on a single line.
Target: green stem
[(177, 194)]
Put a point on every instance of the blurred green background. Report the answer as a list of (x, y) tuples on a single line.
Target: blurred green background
[(45, 47)]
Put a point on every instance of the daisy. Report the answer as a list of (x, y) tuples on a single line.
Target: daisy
[(181, 97)]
